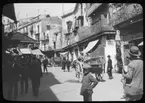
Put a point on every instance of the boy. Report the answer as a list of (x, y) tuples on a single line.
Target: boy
[(87, 86)]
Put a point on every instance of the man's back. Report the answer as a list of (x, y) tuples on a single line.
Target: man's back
[(35, 67), (137, 77)]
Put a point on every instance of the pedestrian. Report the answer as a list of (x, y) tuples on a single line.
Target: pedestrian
[(36, 74), (88, 83), (13, 78), (63, 64), (135, 74), (45, 63), (24, 67), (68, 63), (109, 68), (79, 68)]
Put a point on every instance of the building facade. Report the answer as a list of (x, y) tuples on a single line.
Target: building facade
[(72, 21), (128, 19), (37, 28)]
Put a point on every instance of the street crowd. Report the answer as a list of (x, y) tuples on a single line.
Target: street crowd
[(22, 68), (132, 77)]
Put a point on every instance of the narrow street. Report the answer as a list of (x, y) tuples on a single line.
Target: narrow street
[(63, 86)]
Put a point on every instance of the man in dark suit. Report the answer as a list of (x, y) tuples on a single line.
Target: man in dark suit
[(109, 68), (36, 74)]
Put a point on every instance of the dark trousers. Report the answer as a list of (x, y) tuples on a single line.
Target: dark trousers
[(68, 67), (35, 86), (12, 88), (63, 66), (24, 84), (110, 73), (45, 68), (87, 97)]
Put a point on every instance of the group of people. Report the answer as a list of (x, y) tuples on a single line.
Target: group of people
[(132, 78), (21, 68), (66, 64)]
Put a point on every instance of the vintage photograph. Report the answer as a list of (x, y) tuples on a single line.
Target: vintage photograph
[(72, 52)]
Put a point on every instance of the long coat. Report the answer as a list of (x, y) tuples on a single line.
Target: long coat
[(135, 73), (35, 69)]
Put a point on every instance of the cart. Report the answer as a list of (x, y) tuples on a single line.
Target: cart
[(96, 65)]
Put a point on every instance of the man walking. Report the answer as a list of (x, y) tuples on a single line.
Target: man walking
[(35, 76), (68, 64), (24, 68), (63, 64), (109, 68), (88, 83), (13, 78), (45, 63)]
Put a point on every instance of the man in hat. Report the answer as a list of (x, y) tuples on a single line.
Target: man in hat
[(109, 67), (88, 83), (35, 77), (134, 73)]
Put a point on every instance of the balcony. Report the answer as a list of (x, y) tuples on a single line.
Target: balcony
[(126, 12), (92, 8), (101, 25)]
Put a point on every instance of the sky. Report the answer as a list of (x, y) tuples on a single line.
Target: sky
[(24, 10)]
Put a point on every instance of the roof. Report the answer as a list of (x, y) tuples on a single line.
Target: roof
[(22, 38), (70, 13)]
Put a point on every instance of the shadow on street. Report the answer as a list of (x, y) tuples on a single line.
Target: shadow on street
[(45, 92)]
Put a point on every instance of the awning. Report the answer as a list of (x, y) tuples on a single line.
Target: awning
[(99, 51), (37, 52), (141, 44), (90, 46), (25, 51), (64, 53), (22, 38)]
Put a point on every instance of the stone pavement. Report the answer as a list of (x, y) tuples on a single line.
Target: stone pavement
[(64, 86)]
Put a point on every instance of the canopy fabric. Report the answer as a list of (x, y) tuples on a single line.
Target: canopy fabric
[(37, 52), (99, 51), (90, 46), (64, 53), (74, 56), (141, 44), (22, 38), (25, 51), (8, 11)]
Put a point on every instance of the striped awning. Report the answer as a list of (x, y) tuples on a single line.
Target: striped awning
[(37, 52), (90, 46), (25, 51)]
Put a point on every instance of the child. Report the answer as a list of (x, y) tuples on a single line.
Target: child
[(87, 86)]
